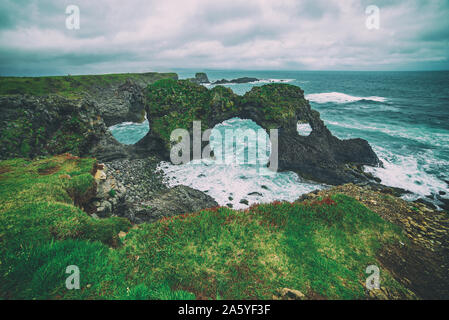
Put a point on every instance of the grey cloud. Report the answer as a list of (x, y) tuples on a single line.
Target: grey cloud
[(284, 34)]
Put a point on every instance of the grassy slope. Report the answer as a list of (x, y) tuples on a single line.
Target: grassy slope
[(70, 86), (320, 248), (42, 232)]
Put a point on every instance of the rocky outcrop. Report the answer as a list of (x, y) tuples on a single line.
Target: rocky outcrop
[(125, 101), (238, 80), (110, 194), (200, 78), (319, 156), (175, 201), (134, 190), (38, 125), (34, 125)]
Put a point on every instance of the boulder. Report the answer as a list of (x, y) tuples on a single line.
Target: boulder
[(171, 202), (290, 294)]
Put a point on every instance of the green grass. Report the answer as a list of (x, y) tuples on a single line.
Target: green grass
[(70, 86), (42, 232), (320, 248), (38, 203), (175, 104)]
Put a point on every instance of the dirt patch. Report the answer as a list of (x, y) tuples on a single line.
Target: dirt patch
[(4, 169), (48, 171)]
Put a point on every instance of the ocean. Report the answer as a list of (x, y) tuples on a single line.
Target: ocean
[(403, 115)]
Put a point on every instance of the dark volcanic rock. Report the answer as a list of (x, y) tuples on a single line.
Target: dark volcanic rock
[(200, 78), (33, 126), (52, 124), (445, 203), (428, 203), (140, 193), (125, 101), (238, 80), (255, 193), (175, 201)]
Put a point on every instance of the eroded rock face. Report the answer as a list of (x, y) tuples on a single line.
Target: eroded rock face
[(125, 101), (75, 121), (33, 126), (320, 156), (110, 194)]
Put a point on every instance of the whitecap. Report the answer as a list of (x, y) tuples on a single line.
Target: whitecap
[(338, 97), (272, 81)]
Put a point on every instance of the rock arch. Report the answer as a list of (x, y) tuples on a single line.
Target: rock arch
[(172, 104)]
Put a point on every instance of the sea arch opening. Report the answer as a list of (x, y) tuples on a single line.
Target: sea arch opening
[(239, 141), (129, 133)]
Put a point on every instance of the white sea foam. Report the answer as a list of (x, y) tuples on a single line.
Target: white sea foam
[(272, 81), (338, 97), (407, 172), (228, 184), (260, 81)]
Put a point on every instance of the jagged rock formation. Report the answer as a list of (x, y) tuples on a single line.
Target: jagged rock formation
[(33, 126), (125, 101), (319, 156), (71, 114), (110, 194), (200, 78)]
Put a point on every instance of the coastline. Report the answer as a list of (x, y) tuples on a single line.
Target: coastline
[(100, 192)]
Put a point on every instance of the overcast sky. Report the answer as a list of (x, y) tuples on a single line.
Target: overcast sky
[(144, 35)]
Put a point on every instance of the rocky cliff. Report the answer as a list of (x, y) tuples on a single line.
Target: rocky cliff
[(53, 115)]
